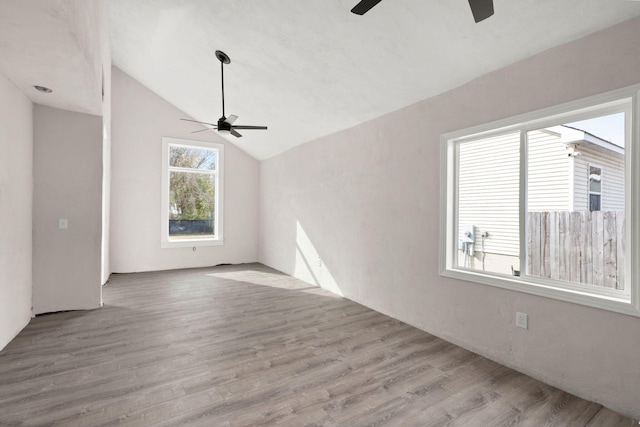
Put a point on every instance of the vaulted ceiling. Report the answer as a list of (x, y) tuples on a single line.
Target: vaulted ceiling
[(58, 44), (305, 68)]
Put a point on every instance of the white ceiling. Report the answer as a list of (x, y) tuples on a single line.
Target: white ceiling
[(305, 68), (57, 44)]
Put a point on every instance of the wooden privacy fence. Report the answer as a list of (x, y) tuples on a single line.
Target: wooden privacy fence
[(583, 247)]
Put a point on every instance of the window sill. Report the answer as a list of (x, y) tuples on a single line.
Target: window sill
[(620, 304), (191, 243)]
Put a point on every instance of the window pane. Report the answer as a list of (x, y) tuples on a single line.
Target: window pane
[(575, 224), (194, 158), (595, 179), (594, 202), (488, 204), (191, 205)]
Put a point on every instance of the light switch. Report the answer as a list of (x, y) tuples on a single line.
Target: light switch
[(63, 223)]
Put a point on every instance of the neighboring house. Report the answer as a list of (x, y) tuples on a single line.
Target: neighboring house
[(568, 170), (573, 170)]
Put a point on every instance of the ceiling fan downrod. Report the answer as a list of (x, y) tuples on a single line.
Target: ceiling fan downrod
[(224, 59)]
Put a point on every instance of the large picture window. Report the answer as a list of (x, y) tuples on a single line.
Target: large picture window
[(191, 193), (524, 205)]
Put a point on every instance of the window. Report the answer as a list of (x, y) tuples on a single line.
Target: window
[(191, 193), (522, 203), (595, 187)]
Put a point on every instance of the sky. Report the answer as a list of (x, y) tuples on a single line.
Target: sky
[(609, 128)]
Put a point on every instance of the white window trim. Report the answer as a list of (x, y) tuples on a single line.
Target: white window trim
[(217, 240), (627, 302)]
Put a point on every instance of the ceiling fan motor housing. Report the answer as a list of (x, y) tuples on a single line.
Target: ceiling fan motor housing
[(223, 125)]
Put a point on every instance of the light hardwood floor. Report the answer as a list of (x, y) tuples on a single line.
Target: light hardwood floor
[(247, 345)]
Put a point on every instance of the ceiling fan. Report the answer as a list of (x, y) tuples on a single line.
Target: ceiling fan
[(225, 124), (481, 9)]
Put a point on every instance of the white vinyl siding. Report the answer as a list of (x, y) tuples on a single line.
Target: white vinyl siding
[(488, 183), (488, 179), (612, 165), (549, 172)]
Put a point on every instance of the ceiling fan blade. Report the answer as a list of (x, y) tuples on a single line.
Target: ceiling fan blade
[(481, 9), (248, 127), (203, 130), (196, 121), (232, 118), (364, 6), (235, 133)]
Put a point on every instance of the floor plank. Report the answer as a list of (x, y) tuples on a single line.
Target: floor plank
[(247, 345)]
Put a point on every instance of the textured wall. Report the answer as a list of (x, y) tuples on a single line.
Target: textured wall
[(140, 120), (16, 191), (357, 212)]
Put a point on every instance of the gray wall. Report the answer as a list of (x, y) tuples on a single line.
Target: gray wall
[(357, 212), (16, 193), (139, 121), (67, 173)]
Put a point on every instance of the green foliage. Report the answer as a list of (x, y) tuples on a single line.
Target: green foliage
[(192, 158), (192, 193)]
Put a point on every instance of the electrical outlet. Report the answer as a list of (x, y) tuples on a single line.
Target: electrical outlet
[(319, 262), (522, 320), (63, 223)]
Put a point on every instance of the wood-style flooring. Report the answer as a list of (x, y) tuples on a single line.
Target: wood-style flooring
[(246, 345)]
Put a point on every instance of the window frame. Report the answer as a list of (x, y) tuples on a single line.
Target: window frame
[(628, 301), (217, 239), (589, 191)]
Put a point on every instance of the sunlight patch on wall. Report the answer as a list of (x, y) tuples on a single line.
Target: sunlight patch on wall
[(309, 264)]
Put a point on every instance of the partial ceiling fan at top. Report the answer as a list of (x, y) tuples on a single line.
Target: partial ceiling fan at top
[(481, 9), (225, 124)]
